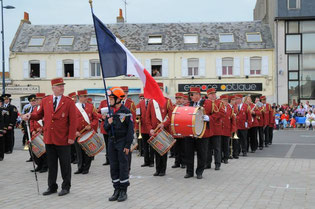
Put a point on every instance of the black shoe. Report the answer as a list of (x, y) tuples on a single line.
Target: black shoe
[(183, 166), (63, 192), (207, 166), (235, 157), (225, 161), (217, 167), (43, 170), (49, 191), (122, 196), (85, 172), (244, 154), (8, 152), (106, 163), (1, 158), (175, 166), (156, 174), (78, 172), (199, 176), (151, 165), (188, 176), (36, 169), (29, 160), (266, 145), (114, 197), (162, 174), (75, 162), (145, 165), (231, 157), (260, 148)]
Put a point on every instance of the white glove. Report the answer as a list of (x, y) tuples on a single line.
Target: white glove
[(246, 124), (205, 118)]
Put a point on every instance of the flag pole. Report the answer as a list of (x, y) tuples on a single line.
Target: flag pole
[(103, 76)]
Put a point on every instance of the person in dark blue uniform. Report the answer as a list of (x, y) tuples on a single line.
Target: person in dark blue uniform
[(119, 126)]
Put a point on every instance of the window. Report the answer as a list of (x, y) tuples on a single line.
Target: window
[(307, 26), (293, 62), (34, 69), (293, 43), (193, 67), (293, 91), (308, 44), (255, 65), (95, 68), (293, 27), (226, 37), (253, 37), (191, 39), (93, 41), (68, 68), (157, 39), (227, 66), (65, 41), (36, 41), (293, 4), (156, 66), (293, 76)]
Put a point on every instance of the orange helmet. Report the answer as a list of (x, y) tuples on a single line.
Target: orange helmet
[(117, 92)]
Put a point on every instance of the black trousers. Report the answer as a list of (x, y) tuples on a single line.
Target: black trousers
[(179, 149), (225, 147), (270, 135), (40, 162), (252, 136), (84, 161), (236, 147), (2, 146), (266, 133), (119, 165), (9, 140), (160, 162), (214, 149), (73, 153), (148, 150), (106, 146), (61, 153), (261, 136), (242, 134), (192, 145)]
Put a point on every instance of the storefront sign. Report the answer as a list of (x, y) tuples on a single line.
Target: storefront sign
[(15, 90), (223, 86)]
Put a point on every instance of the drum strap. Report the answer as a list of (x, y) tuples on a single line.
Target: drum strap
[(157, 111), (82, 111), (40, 121)]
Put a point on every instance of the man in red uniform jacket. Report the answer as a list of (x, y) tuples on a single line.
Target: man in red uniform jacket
[(266, 113), (252, 131), (234, 142), (243, 121), (104, 106), (261, 121), (87, 119), (145, 132), (59, 133), (216, 114), (153, 123)]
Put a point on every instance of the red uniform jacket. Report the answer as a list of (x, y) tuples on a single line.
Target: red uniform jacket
[(266, 113), (152, 121), (132, 107), (215, 110), (93, 117), (260, 116), (243, 115), (255, 122), (102, 104), (228, 121), (143, 111), (60, 125), (272, 118), (34, 125)]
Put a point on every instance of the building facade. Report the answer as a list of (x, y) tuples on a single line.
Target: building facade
[(232, 57), (293, 26)]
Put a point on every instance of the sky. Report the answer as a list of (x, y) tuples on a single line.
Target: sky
[(45, 12)]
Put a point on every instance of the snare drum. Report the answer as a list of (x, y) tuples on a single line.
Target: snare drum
[(188, 121), (91, 143), (162, 141), (38, 145)]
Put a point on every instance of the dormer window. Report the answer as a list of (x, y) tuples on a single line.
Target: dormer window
[(226, 38), (93, 41), (37, 41), (65, 41), (155, 39), (191, 39), (253, 37), (293, 4)]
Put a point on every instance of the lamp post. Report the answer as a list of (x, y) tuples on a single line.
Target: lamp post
[(2, 32)]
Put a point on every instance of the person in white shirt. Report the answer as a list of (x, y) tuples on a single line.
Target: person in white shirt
[(310, 119)]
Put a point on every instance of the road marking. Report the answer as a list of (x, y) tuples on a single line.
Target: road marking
[(290, 152), (307, 144), (286, 187)]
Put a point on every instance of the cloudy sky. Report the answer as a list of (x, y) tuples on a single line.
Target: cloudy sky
[(138, 11)]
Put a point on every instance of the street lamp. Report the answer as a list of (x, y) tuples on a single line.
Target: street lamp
[(2, 32)]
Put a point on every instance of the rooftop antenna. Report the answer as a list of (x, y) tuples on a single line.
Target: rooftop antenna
[(125, 2)]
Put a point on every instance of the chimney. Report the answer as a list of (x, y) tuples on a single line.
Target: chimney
[(26, 18), (120, 18)]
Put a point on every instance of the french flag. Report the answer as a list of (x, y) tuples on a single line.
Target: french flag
[(117, 60)]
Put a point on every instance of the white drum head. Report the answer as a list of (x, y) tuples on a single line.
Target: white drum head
[(199, 123), (85, 136)]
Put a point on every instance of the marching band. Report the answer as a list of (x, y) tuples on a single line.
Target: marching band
[(65, 128)]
